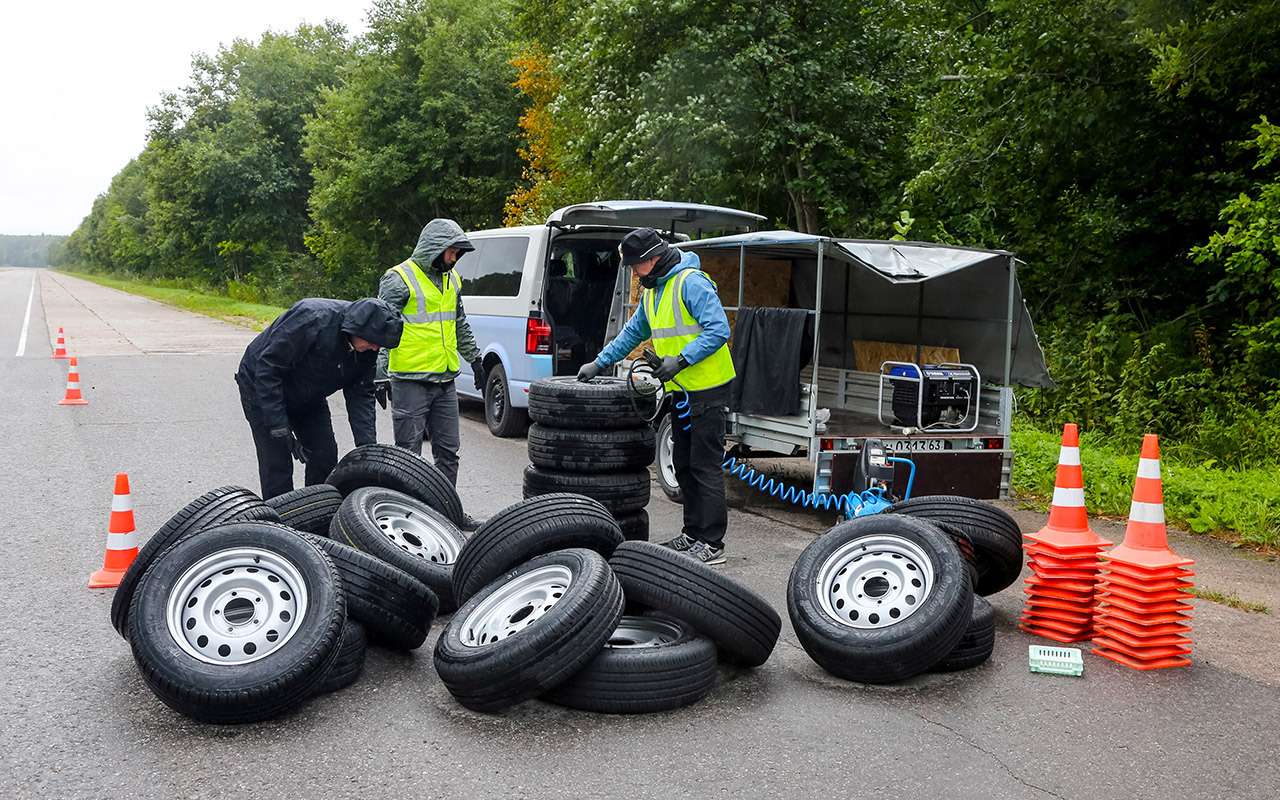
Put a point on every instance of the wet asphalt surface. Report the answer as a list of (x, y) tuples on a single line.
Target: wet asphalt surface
[(77, 721)]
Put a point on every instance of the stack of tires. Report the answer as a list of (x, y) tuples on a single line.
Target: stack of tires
[(555, 604), (588, 439)]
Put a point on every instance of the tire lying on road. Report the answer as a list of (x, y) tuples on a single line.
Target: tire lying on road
[(239, 624), (530, 630), (978, 642), (620, 492), (224, 504), (743, 625), (879, 599), (650, 663), (566, 402), (404, 532), (395, 607), (396, 468), (309, 509), (530, 528), (568, 450), (634, 527), (349, 663), (995, 536)]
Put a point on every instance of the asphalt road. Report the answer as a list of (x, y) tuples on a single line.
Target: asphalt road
[(77, 721)]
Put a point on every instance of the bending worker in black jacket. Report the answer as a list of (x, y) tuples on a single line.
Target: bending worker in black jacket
[(288, 372)]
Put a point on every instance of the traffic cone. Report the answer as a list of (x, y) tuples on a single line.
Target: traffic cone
[(1063, 557), (122, 539), (1143, 606), (60, 348), (73, 396)]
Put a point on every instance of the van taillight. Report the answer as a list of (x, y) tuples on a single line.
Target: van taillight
[(537, 337)]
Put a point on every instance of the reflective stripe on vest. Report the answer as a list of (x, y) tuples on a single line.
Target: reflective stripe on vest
[(672, 328), (430, 339)]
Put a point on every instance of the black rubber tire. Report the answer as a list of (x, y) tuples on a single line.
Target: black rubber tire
[(504, 420), (530, 528), (743, 625), (995, 536), (394, 467), (253, 691), (541, 656), (566, 402), (349, 664), (978, 642), (639, 680), (896, 652), (224, 504), (566, 450), (395, 607), (620, 492), (634, 527), (308, 509), (354, 525)]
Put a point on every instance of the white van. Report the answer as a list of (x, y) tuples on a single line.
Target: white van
[(539, 297)]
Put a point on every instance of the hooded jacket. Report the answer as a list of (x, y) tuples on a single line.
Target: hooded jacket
[(306, 355), (437, 236)]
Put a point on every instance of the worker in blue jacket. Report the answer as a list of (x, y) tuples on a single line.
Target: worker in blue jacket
[(681, 313)]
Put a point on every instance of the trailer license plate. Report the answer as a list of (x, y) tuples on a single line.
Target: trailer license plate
[(915, 445)]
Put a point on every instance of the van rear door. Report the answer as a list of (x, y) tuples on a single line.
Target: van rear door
[(685, 217)]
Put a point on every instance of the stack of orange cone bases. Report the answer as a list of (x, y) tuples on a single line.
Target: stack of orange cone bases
[(1063, 556), (1143, 611)]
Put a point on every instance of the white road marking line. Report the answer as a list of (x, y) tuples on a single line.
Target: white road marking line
[(26, 320)]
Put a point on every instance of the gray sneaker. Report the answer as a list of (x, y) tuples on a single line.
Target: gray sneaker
[(708, 554), (680, 544)]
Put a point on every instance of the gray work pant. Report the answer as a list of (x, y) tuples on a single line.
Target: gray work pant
[(419, 408)]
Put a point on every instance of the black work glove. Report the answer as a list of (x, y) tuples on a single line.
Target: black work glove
[(588, 371), (671, 366), (382, 392), (477, 374), (295, 447)]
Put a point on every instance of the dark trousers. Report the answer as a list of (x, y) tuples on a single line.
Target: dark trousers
[(421, 408), (697, 455), (314, 429)]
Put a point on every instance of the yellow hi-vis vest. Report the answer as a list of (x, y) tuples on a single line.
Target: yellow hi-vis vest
[(671, 327), (430, 339)]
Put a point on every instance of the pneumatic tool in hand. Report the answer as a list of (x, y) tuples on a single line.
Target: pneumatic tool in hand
[(649, 393)]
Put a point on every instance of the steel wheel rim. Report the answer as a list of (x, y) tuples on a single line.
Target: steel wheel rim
[(516, 605), (641, 632), (666, 458), (417, 530), (875, 582), (236, 606), (497, 398)]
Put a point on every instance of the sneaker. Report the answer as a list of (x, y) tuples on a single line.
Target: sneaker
[(680, 544), (469, 523), (708, 554)]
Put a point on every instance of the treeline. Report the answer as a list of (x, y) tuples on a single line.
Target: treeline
[(29, 251), (1120, 147)]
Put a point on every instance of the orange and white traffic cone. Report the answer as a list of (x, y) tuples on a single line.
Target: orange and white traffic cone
[(1143, 608), (73, 396), (60, 347), (122, 538)]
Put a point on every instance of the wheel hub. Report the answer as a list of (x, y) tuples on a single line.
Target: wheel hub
[(875, 581), (417, 531), (642, 632), (516, 605)]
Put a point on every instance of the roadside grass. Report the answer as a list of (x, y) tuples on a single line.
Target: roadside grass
[(250, 315), (1230, 600), (1241, 505)]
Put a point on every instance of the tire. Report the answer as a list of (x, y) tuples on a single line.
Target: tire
[(650, 663), (620, 492), (238, 684), (743, 625), (568, 450), (566, 402), (530, 528), (416, 539), (225, 504), (309, 509), (349, 664), (394, 467), (978, 642), (879, 650), (634, 527), (995, 536), (396, 608), (665, 466), (489, 674), (504, 420)]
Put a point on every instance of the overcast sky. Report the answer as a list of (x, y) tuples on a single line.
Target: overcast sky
[(76, 79)]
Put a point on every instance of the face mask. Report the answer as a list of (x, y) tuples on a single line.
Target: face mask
[(651, 280)]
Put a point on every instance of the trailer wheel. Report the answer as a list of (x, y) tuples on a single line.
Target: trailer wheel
[(978, 642), (995, 536), (666, 467)]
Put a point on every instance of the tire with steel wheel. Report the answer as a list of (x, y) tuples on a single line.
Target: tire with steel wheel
[(566, 402), (569, 450), (349, 664), (530, 630), (978, 642), (650, 663), (239, 624), (503, 419), (880, 598), (395, 607), (404, 532), (665, 463), (743, 625), (225, 504), (634, 527), (530, 528), (995, 536), (620, 492), (309, 509), (394, 467)]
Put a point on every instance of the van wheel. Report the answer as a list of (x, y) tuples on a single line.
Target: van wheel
[(666, 467), (503, 419)]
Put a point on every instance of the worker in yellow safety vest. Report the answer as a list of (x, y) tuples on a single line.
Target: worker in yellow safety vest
[(681, 313)]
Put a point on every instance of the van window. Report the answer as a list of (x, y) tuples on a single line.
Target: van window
[(497, 272), (469, 264)]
